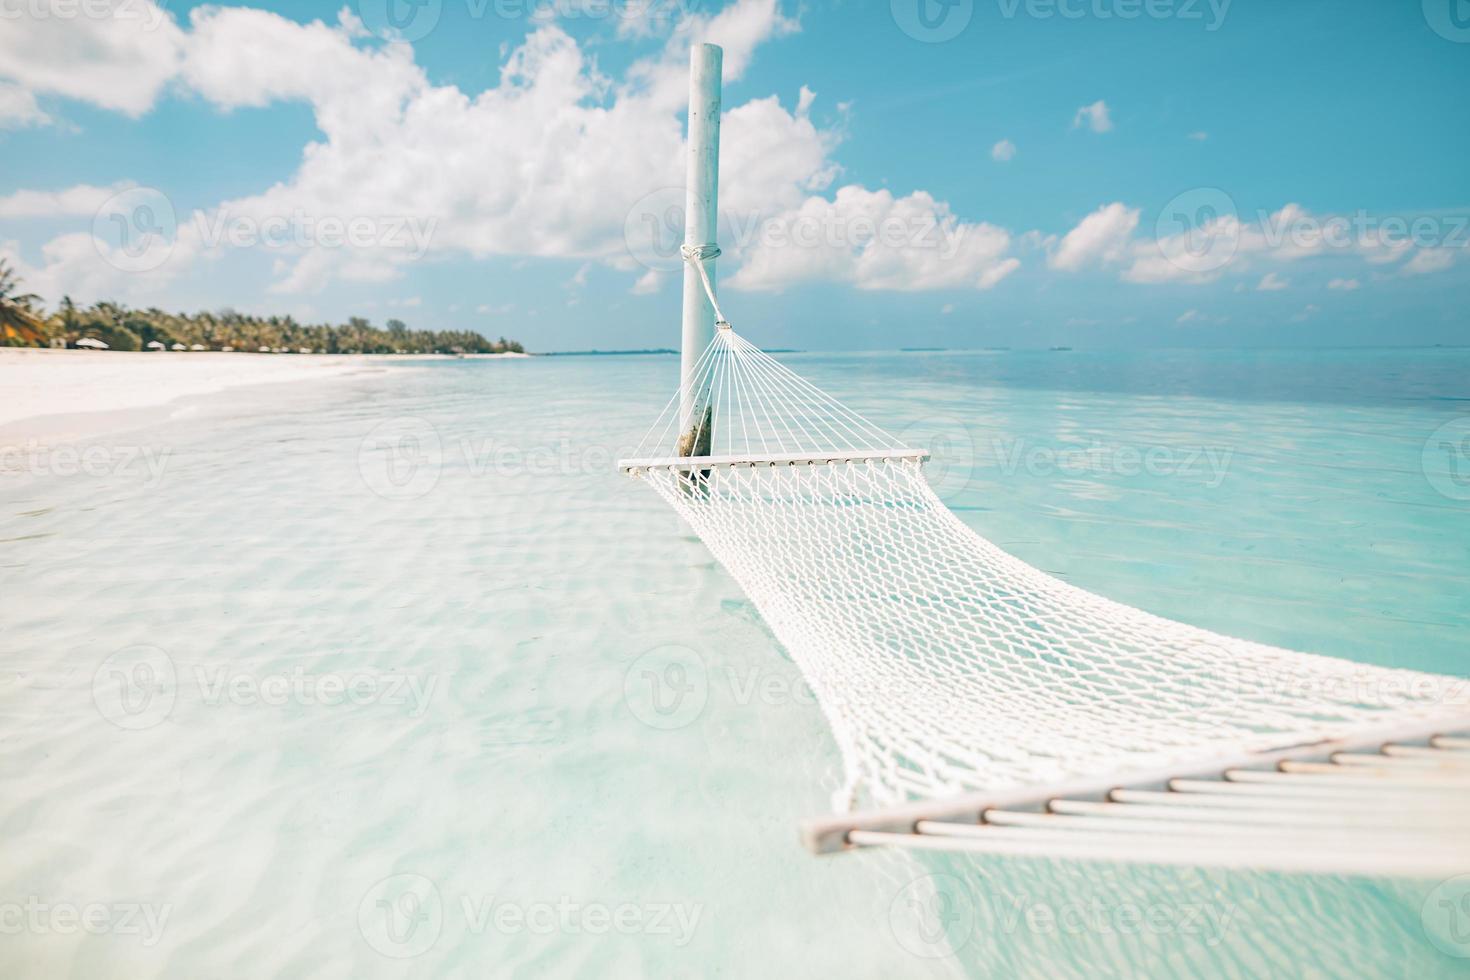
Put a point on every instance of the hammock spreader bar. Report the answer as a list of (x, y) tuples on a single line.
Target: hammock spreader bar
[(1393, 801), (633, 466)]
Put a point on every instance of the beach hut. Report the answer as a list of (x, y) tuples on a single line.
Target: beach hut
[(227, 348), (197, 347), (265, 350), (91, 343), (155, 345), (178, 347)]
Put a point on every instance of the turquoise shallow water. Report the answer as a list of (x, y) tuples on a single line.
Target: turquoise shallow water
[(371, 677)]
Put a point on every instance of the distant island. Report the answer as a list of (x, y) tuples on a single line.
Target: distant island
[(112, 326)]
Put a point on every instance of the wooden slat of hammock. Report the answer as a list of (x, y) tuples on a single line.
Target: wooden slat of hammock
[(1371, 805)]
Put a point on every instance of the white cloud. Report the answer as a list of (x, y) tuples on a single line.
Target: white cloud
[(634, 20), (1003, 151), (1309, 311), (1384, 251), (553, 161), (1100, 237), (239, 56), (119, 61), (739, 29), (1345, 285), (1199, 136), (1196, 317), (18, 107), (1427, 260), (648, 283), (873, 240), (1196, 256), (946, 309), (83, 200), (134, 268), (80, 265), (772, 158), (1224, 244), (1095, 116)]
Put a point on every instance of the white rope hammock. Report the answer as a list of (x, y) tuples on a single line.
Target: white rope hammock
[(962, 684)]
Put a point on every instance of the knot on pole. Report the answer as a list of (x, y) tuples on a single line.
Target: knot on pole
[(699, 252), (696, 255)]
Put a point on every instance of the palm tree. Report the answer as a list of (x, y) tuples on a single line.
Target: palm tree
[(18, 322), (69, 319)]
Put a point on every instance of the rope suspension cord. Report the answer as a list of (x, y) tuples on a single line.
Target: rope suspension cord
[(696, 255), (969, 692)]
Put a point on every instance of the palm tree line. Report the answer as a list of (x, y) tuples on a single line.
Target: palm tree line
[(23, 323)]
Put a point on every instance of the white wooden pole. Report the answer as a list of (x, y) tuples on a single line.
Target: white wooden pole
[(701, 208)]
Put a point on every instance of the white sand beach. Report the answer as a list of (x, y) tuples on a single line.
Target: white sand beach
[(39, 383)]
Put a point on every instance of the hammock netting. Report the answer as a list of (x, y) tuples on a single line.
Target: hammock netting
[(943, 664)]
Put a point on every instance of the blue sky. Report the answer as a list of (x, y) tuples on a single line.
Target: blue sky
[(1095, 173)]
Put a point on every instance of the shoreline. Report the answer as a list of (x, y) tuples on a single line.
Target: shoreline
[(64, 395)]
